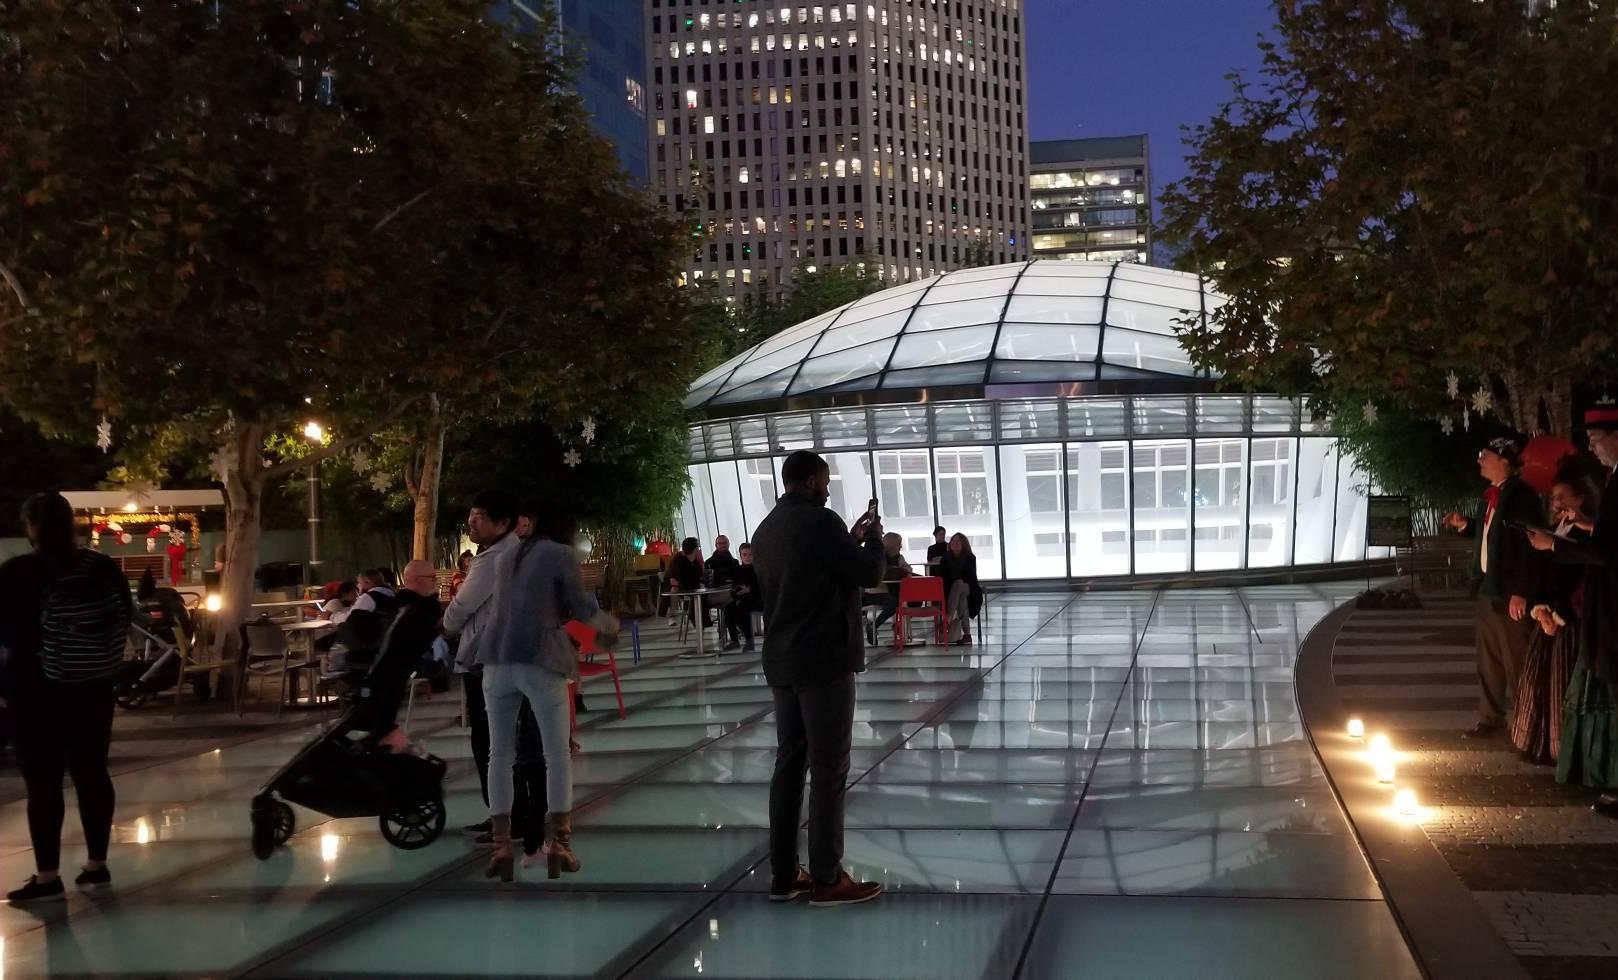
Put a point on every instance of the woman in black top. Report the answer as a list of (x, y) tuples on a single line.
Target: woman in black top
[(62, 725), (963, 596)]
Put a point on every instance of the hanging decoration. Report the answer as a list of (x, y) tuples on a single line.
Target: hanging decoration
[(104, 435), (571, 458), (1368, 413), (1452, 385), (361, 461), (1482, 400), (381, 482), (1446, 425), (589, 429), (219, 465), (1466, 419)]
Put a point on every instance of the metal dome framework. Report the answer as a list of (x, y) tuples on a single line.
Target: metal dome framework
[(1038, 322)]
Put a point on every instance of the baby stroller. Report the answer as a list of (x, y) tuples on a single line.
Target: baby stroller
[(160, 629), (348, 772)]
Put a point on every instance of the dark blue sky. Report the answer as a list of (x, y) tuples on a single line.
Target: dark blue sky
[(1118, 67)]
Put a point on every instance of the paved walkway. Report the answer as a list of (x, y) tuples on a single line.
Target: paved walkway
[(1541, 865), (1110, 785)]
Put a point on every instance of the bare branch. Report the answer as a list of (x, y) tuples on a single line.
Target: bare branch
[(16, 287), (399, 210)]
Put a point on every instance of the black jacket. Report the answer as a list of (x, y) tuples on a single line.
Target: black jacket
[(746, 577), (684, 574), (722, 565), (964, 569), (1514, 565), (810, 575), (1598, 631)]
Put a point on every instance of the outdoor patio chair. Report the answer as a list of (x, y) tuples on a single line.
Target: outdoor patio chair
[(920, 597), (589, 649)]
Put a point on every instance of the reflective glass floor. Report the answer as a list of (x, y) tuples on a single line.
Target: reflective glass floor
[(1110, 785)]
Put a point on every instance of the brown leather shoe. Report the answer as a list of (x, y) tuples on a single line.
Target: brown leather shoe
[(793, 890), (844, 891)]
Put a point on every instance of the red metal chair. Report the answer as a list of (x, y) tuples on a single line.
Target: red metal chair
[(925, 589), (585, 637)]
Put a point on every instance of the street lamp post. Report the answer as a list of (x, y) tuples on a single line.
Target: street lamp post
[(316, 436)]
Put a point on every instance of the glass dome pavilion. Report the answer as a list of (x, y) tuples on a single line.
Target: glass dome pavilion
[(1047, 410)]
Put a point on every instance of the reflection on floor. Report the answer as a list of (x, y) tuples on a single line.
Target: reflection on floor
[(1109, 785)]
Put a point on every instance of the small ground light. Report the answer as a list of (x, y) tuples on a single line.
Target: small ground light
[(1404, 802), (1381, 747), (1356, 728), (214, 603), (1384, 770)]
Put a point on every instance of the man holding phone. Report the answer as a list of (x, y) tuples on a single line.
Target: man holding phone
[(811, 572)]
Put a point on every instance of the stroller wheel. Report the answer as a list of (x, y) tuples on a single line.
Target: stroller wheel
[(273, 824), (412, 826)]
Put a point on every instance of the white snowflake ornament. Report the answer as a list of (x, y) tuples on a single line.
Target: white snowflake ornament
[(1446, 425), (571, 458), (361, 461), (381, 482), (104, 435), (1466, 419), (1368, 413), (1482, 401), (589, 429), (219, 464), (1452, 385)]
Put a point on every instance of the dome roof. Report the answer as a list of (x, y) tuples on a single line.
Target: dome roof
[(1041, 321)]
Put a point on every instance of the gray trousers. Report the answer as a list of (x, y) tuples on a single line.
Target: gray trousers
[(960, 609), (1500, 646), (814, 731)]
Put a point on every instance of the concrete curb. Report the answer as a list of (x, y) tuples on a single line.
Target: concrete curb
[(1450, 936)]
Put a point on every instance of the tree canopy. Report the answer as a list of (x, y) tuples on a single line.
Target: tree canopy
[(220, 218), (1410, 190)]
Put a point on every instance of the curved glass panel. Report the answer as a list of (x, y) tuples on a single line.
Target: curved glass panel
[(943, 347), (833, 369), (965, 313), (841, 337), (1054, 309), (942, 374), (1048, 342), (758, 367)]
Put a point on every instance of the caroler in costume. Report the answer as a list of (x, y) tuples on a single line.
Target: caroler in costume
[(1552, 653), (1589, 749)]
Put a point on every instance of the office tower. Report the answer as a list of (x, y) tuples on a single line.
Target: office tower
[(612, 72), (1091, 199), (886, 133)]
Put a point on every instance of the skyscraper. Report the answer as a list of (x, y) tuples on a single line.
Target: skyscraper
[(612, 72), (1092, 199), (889, 133)]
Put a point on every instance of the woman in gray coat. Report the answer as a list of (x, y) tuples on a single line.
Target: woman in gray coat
[(527, 653)]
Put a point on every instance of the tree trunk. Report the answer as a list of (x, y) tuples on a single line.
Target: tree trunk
[(244, 502), (429, 474)]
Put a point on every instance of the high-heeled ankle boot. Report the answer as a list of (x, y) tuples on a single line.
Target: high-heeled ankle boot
[(500, 862), (559, 833)]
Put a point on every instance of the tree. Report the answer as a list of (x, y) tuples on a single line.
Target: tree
[(1411, 189), (629, 479), (219, 218)]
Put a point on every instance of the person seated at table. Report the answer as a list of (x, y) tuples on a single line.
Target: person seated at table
[(744, 587), (337, 608), (721, 565), (685, 575), (359, 638), (164, 608), (894, 570), (463, 565), (963, 596), (937, 550), (407, 646)]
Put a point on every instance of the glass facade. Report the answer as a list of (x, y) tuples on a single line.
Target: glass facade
[(1059, 488), (612, 72)]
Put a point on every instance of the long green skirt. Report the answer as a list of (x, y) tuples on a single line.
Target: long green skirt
[(1589, 751)]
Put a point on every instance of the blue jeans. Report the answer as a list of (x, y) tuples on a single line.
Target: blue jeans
[(504, 687)]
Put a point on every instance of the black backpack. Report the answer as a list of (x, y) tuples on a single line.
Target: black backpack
[(84, 623)]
